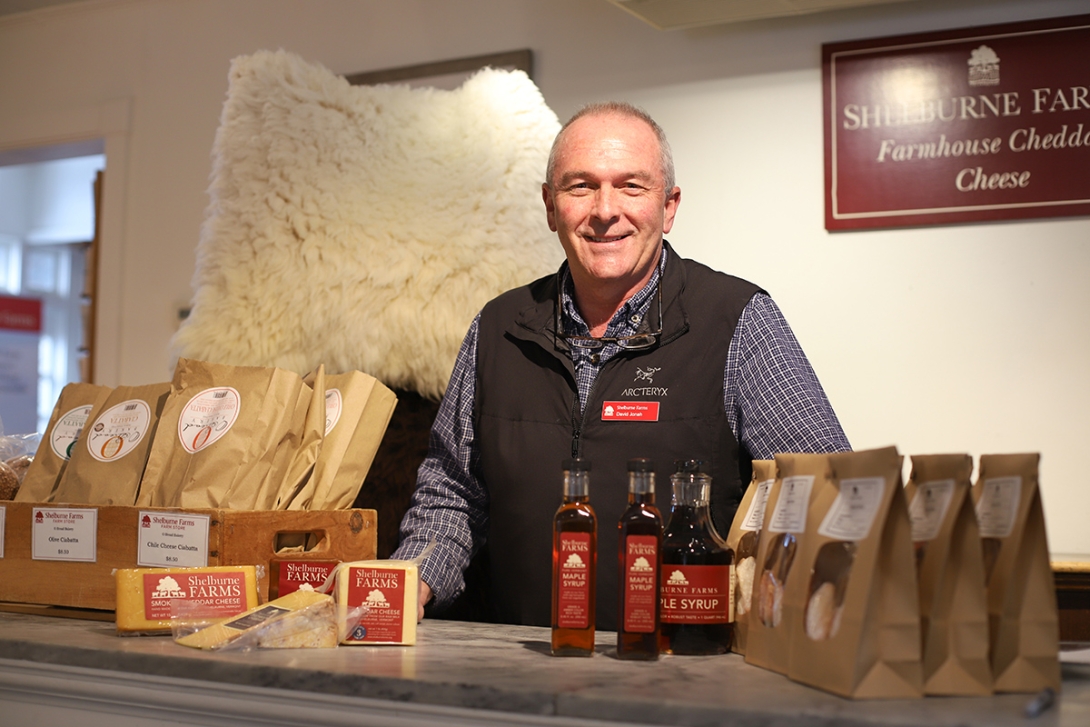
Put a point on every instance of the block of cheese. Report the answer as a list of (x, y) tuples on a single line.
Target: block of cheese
[(145, 595), (389, 589), (303, 619)]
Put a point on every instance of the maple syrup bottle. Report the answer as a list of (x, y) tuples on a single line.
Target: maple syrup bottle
[(640, 538), (697, 582), (575, 555)]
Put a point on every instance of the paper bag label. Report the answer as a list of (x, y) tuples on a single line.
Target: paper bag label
[(755, 515), (789, 515), (997, 508), (640, 583), (334, 405), (697, 594), (220, 594), (928, 508), (383, 591), (119, 430), (207, 417), (573, 581), (852, 513), (67, 430)]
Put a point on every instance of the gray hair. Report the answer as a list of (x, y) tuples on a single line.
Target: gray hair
[(620, 108)]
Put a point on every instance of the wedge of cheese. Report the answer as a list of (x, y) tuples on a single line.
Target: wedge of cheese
[(145, 596), (303, 619), (389, 589)]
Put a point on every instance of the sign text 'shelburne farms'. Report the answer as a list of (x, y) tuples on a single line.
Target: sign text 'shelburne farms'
[(976, 124)]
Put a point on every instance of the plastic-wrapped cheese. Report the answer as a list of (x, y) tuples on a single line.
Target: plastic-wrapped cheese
[(145, 595), (302, 619), (389, 589)]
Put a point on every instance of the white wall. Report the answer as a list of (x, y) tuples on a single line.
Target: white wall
[(962, 338)]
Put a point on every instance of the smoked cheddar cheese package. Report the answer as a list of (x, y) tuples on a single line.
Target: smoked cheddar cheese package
[(744, 538), (304, 619), (66, 423), (146, 596), (389, 588), (857, 615), (953, 600), (1022, 614), (778, 573)]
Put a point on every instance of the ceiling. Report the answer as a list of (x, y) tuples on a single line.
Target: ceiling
[(676, 14), (661, 14)]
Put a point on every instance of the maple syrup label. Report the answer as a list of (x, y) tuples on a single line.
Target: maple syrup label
[(697, 594), (640, 583), (573, 581), (383, 590), (292, 574), (218, 594)]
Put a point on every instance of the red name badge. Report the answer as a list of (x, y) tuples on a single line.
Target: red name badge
[(630, 411)]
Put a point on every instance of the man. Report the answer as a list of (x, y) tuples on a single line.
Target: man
[(546, 372)]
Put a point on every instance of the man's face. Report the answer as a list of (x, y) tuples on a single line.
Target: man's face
[(607, 201)]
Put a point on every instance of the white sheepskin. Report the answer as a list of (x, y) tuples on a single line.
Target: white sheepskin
[(364, 226)]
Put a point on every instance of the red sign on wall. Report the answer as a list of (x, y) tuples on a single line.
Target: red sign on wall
[(976, 124)]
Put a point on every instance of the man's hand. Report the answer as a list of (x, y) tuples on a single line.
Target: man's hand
[(425, 596)]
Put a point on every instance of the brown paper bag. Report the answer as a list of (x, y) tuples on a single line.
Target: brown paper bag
[(358, 410), (1023, 618), (300, 470), (953, 601), (66, 424), (857, 620), (109, 459), (220, 437), (744, 539), (769, 633)]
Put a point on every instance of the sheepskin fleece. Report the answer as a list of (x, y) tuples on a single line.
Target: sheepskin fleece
[(363, 227)]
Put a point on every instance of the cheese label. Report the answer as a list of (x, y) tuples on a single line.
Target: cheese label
[(254, 618), (382, 590), (573, 581), (207, 417), (219, 594), (697, 594), (289, 575), (640, 583)]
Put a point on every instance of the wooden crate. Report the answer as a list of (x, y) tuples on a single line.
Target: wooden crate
[(235, 537)]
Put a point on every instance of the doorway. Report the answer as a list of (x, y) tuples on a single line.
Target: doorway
[(48, 213)]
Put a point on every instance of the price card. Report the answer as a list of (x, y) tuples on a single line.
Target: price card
[(172, 539), (64, 533), (3, 515)]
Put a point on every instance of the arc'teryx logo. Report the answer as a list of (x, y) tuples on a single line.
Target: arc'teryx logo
[(647, 374)]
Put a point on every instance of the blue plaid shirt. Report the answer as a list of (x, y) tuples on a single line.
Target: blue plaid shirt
[(772, 399)]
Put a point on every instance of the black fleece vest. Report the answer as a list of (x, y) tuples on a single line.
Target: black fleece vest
[(528, 421)]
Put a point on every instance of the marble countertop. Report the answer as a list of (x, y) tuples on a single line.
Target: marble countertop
[(508, 669)]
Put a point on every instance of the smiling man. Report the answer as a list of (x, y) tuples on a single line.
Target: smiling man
[(627, 351)]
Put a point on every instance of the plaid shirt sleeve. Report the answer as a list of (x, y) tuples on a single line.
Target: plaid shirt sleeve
[(450, 503), (773, 399)]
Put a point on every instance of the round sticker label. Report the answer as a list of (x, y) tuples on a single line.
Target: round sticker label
[(333, 405), (118, 430), (207, 417), (67, 430)]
